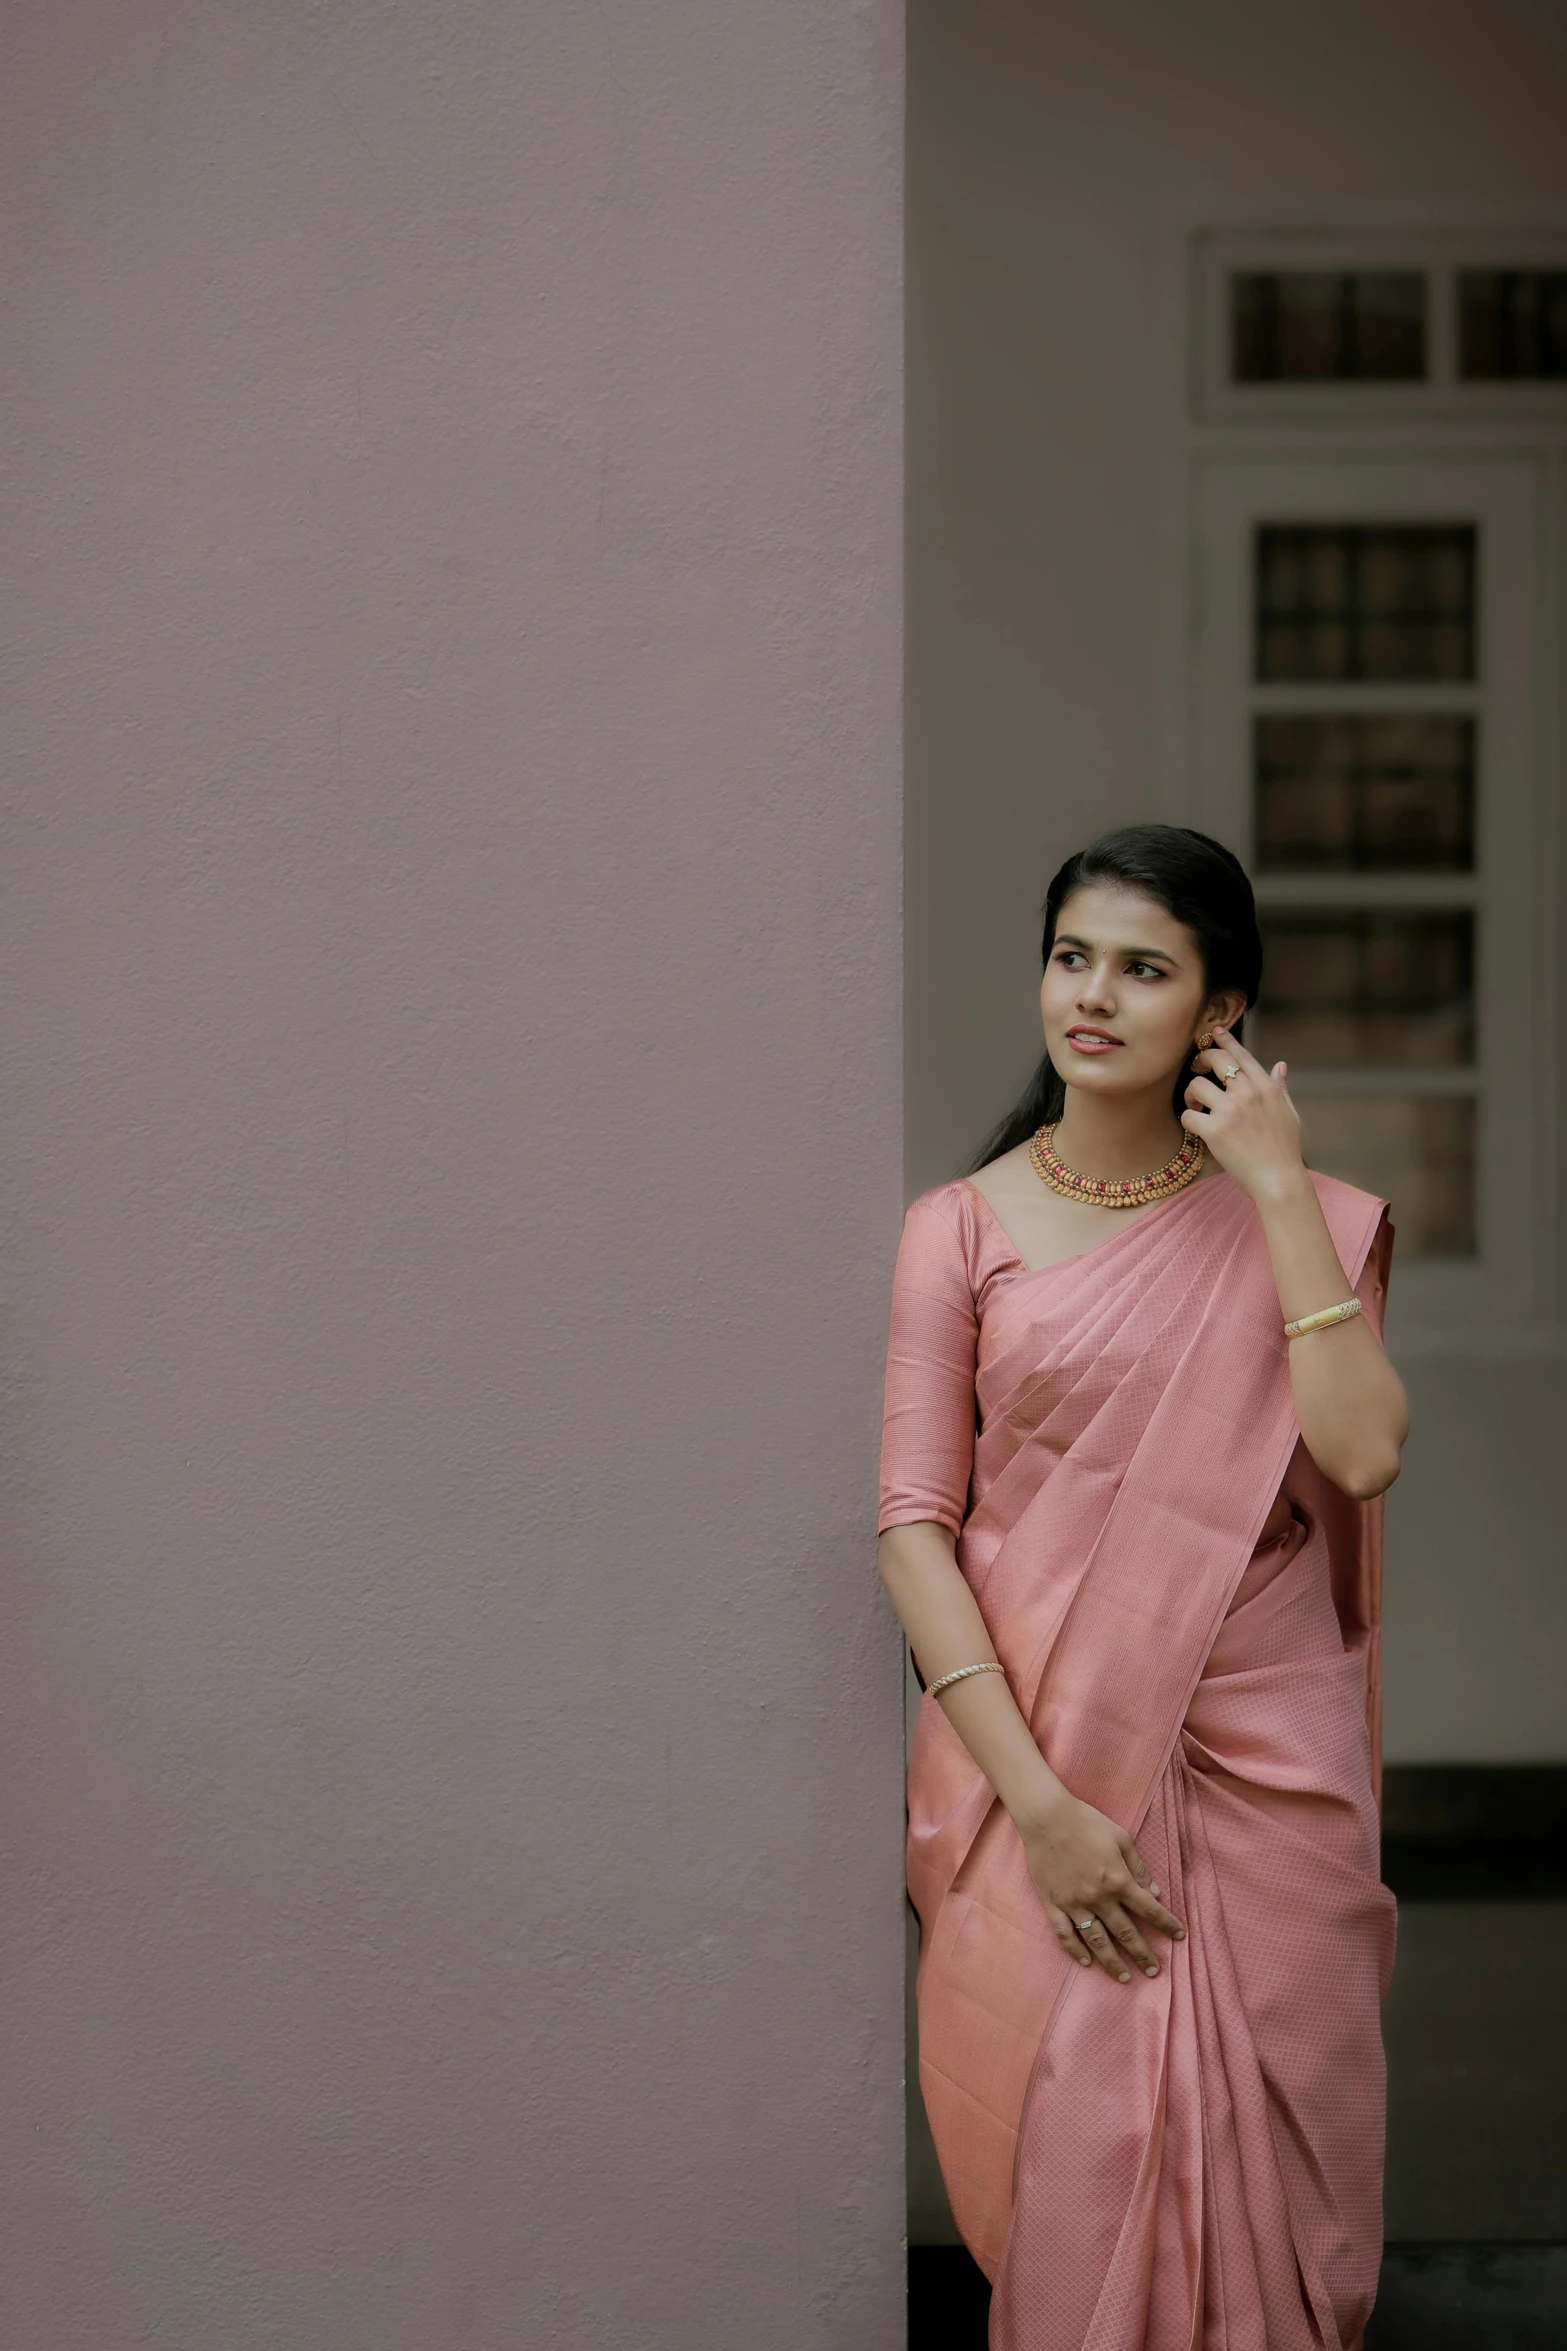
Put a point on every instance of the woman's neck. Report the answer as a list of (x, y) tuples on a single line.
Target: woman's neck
[(1104, 1136)]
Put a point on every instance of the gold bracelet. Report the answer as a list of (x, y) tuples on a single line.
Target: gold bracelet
[(1320, 1322), (962, 1675)]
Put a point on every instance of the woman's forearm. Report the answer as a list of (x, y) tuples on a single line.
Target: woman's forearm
[(1099, 1894), (1348, 1398), (945, 1630)]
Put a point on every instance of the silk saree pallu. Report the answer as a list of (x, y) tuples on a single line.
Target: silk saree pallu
[(1191, 2162)]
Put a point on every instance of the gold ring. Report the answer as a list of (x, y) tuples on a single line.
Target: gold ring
[(1083, 1924), (1229, 1071)]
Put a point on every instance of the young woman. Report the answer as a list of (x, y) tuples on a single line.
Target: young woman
[(1138, 1418)]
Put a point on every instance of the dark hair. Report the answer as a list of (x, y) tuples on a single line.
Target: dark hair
[(1194, 878)]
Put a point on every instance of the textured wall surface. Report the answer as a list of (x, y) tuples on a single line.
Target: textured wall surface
[(452, 1887)]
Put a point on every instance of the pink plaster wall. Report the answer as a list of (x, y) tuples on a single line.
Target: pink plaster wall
[(450, 1782)]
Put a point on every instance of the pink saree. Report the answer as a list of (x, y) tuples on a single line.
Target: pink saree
[(1193, 2162)]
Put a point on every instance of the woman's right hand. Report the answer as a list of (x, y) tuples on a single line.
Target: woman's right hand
[(1086, 1868)]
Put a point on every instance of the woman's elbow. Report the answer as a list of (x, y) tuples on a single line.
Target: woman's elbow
[(1365, 1478), (906, 1552), (892, 1555)]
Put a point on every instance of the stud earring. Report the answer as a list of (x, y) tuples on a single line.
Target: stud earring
[(1204, 1040)]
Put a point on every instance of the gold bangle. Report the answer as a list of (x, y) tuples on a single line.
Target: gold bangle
[(1320, 1322), (962, 1675)]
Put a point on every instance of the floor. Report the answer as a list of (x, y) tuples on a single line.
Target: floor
[(1433, 2298)]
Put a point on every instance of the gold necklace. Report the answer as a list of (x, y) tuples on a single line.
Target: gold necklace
[(1161, 1183)]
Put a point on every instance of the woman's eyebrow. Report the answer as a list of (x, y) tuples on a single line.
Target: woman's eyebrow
[(1148, 954)]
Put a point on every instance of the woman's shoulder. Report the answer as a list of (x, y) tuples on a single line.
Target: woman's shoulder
[(978, 1201), (956, 1223), (956, 1206)]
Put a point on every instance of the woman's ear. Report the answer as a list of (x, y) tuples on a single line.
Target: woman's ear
[(1224, 1010)]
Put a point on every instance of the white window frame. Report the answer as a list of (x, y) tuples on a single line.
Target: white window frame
[(1437, 255), (1507, 498)]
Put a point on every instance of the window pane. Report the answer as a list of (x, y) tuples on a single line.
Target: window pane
[(1327, 326), (1512, 324), (1373, 794), (1380, 601), (1416, 1151), (1368, 989)]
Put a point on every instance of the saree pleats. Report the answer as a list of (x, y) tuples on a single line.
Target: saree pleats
[(1193, 2162)]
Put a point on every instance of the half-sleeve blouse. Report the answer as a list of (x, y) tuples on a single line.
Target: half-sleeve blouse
[(952, 1249)]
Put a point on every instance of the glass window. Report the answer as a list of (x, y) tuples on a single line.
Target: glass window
[(1512, 324), (1368, 987), (1327, 326), (1384, 602), (1417, 1151), (1375, 793)]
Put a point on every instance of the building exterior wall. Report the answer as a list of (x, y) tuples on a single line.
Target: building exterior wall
[(1051, 152), (453, 1869)]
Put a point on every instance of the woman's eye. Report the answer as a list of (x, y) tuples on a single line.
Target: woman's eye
[(1152, 970)]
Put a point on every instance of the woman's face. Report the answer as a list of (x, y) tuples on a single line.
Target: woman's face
[(1124, 992)]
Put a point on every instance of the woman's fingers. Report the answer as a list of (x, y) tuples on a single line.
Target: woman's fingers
[(1146, 1906), (1216, 1060), (1101, 1897), (1123, 1931), (1094, 1932), (1140, 1869), (1206, 1090), (1068, 1937), (1108, 1935), (1233, 1050)]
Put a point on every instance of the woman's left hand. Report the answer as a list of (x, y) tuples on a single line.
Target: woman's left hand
[(1246, 1120)]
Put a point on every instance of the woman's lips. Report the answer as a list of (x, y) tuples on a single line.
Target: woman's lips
[(1086, 1041)]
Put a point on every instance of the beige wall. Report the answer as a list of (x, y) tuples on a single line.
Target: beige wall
[(451, 1886), (1050, 148)]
